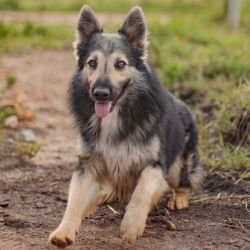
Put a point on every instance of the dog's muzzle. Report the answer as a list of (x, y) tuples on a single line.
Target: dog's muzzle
[(103, 103), (101, 94)]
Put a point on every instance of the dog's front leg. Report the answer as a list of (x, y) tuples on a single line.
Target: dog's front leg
[(151, 185), (82, 195)]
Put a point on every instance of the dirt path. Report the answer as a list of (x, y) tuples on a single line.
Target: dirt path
[(42, 82), (33, 193)]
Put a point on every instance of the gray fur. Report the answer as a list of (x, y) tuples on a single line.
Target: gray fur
[(144, 145)]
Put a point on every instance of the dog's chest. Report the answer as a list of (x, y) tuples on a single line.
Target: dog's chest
[(118, 163), (126, 156), (120, 156)]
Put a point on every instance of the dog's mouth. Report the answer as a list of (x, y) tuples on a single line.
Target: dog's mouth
[(105, 107), (102, 109)]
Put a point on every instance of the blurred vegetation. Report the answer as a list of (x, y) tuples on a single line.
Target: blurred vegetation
[(177, 6), (24, 36), (10, 80), (6, 112), (101, 6), (196, 55), (28, 148)]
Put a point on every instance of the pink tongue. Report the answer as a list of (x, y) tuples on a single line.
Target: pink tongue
[(102, 109)]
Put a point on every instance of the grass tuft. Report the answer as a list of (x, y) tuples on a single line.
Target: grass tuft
[(10, 80), (29, 149), (26, 36), (5, 112)]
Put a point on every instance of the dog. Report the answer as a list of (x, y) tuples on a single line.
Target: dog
[(137, 141)]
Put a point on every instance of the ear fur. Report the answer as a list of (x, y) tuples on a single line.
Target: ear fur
[(135, 29), (86, 27)]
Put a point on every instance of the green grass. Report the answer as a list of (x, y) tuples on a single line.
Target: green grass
[(5, 112), (25, 36), (28, 148), (196, 55), (103, 6), (10, 80), (229, 101)]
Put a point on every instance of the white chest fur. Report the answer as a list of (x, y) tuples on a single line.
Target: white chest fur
[(122, 162), (121, 157), (129, 153)]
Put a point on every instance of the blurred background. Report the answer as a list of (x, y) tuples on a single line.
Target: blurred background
[(201, 51)]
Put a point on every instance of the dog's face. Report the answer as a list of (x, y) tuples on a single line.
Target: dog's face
[(107, 73), (109, 61)]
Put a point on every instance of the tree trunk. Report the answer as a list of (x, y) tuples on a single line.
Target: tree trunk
[(233, 13)]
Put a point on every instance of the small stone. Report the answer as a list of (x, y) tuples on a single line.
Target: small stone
[(27, 135), (10, 140), (170, 225), (39, 204), (11, 122)]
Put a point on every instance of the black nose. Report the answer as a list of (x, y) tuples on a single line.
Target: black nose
[(101, 94)]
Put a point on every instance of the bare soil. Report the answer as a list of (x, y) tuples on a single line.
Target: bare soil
[(33, 192)]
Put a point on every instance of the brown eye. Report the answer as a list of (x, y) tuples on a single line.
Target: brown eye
[(120, 65), (92, 64)]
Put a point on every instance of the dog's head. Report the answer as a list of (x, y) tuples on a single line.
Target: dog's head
[(109, 62)]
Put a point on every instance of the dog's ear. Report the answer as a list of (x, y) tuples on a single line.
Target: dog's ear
[(86, 27), (135, 29)]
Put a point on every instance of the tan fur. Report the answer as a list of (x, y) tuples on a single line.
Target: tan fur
[(83, 193), (94, 74), (196, 178), (106, 68), (107, 193), (179, 200), (117, 76), (101, 182), (151, 185), (174, 173)]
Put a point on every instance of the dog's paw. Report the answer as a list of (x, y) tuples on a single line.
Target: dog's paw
[(132, 226), (180, 201), (62, 237)]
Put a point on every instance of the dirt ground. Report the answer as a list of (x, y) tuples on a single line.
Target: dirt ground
[(33, 192)]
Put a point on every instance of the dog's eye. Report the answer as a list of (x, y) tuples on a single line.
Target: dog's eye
[(120, 65), (92, 64)]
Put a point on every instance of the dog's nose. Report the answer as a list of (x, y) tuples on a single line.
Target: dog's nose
[(101, 94)]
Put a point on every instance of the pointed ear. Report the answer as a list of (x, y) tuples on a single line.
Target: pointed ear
[(86, 27), (135, 29)]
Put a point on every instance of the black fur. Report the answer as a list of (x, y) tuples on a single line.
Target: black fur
[(146, 110), (137, 140), (172, 120)]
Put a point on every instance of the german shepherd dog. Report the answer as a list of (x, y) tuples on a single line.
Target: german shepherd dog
[(137, 140)]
